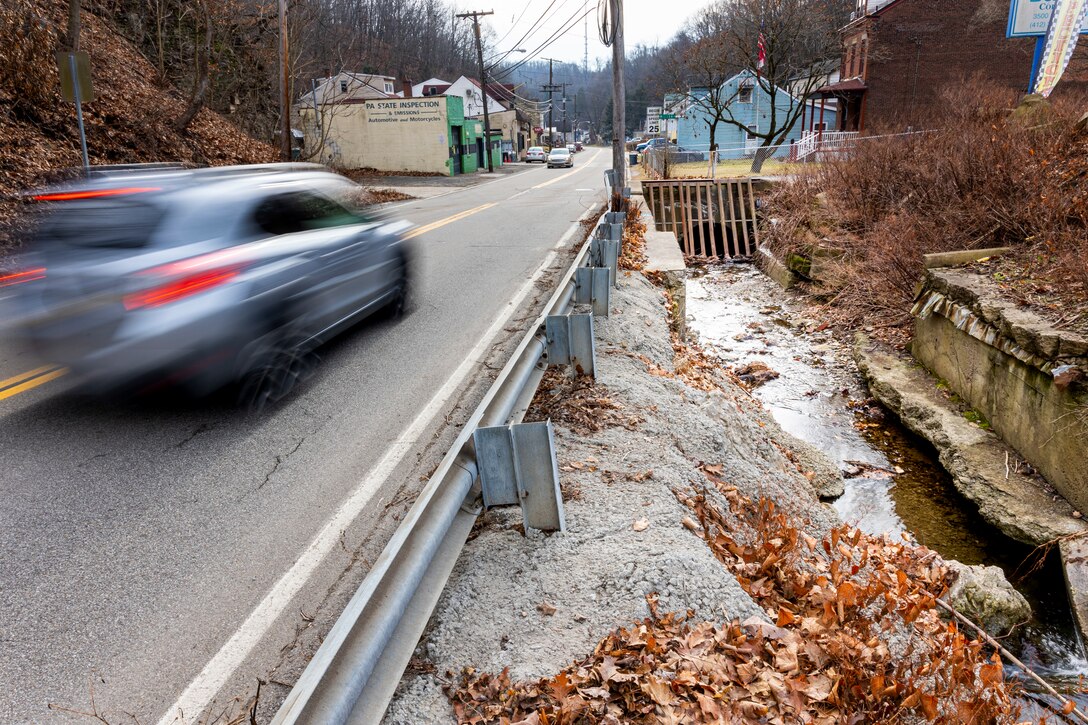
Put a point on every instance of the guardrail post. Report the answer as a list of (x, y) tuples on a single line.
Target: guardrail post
[(615, 217), (606, 253), (570, 342), (518, 465), (592, 287)]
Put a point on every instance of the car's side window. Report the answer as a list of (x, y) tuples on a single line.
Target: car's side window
[(279, 214), (300, 211), (320, 212)]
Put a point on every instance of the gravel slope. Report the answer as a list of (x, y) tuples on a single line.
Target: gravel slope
[(534, 602)]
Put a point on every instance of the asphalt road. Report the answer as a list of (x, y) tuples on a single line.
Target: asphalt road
[(158, 554)]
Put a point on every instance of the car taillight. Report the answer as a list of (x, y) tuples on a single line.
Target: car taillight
[(26, 275), (184, 279)]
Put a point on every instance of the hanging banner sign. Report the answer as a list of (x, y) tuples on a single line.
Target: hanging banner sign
[(1066, 23), (1031, 17)]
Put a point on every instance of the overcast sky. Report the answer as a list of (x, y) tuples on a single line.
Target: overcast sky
[(649, 22)]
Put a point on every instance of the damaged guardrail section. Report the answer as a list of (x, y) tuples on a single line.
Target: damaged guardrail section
[(354, 673)]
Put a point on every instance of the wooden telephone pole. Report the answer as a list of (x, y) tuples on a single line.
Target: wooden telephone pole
[(476, 15), (619, 106), (285, 85)]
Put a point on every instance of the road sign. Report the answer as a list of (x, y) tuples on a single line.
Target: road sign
[(83, 75), (653, 119), (1030, 17), (668, 116)]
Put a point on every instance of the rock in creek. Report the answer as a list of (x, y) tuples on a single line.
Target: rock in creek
[(755, 374), (984, 595)]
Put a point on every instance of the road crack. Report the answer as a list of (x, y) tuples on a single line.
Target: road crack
[(202, 428), (280, 458)]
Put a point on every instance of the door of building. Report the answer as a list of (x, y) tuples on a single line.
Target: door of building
[(457, 150), (481, 161)]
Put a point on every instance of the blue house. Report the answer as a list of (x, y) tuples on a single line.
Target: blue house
[(751, 105)]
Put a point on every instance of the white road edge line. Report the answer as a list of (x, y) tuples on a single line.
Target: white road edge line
[(205, 686)]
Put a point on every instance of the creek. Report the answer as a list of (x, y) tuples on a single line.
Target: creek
[(893, 481)]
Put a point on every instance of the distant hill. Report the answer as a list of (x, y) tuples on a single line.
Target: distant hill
[(131, 120)]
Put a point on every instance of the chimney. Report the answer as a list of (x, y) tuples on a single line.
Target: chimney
[(406, 86)]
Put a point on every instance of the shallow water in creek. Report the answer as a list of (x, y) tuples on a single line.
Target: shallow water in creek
[(893, 480)]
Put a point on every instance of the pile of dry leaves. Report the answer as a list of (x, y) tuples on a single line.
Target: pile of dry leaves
[(633, 248), (857, 638), (579, 403)]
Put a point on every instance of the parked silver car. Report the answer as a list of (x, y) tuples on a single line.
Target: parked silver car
[(536, 153), (202, 278)]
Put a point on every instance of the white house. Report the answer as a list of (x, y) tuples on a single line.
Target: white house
[(346, 87), (468, 90)]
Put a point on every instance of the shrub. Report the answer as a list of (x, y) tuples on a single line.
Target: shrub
[(991, 176)]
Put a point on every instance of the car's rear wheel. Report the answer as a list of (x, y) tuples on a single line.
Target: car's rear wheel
[(290, 361)]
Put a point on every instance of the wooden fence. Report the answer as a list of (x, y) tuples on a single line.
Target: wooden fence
[(710, 217)]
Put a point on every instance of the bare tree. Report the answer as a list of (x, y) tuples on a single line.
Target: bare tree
[(799, 38), (698, 63), (201, 79)]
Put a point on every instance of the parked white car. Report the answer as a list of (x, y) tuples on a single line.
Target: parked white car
[(536, 153)]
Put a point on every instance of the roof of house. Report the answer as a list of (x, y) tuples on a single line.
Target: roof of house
[(360, 87), (847, 86)]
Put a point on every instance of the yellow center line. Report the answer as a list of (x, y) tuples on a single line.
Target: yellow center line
[(32, 379), (448, 220), (23, 376)]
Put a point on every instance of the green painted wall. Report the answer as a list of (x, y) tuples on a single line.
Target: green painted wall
[(471, 131)]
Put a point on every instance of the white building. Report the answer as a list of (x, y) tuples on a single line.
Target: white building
[(468, 90)]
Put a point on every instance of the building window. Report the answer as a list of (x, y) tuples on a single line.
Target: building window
[(388, 87), (750, 133), (862, 57), (744, 94), (343, 86)]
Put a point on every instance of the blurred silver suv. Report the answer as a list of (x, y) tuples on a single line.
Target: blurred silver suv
[(156, 277)]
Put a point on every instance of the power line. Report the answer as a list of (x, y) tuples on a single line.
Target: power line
[(564, 28), (555, 36), (532, 29)]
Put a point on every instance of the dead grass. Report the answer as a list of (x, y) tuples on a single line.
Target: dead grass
[(732, 168), (990, 177)]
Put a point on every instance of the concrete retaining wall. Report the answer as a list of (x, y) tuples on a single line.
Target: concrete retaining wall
[(1004, 361)]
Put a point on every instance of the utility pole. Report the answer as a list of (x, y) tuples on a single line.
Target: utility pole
[(285, 84), (562, 89), (475, 15), (619, 103), (550, 89)]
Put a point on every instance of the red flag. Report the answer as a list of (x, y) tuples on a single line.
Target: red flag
[(761, 57)]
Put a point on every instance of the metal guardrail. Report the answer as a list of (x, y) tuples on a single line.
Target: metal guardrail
[(353, 675)]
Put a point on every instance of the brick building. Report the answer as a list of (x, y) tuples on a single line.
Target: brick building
[(898, 55)]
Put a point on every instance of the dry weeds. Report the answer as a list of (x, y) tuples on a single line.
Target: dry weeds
[(989, 177)]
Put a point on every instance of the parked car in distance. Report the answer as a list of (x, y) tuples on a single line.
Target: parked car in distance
[(560, 156), (653, 143), (578, 146), (198, 279), (536, 153), (681, 155)]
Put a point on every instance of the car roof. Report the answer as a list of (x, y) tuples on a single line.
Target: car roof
[(156, 179)]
